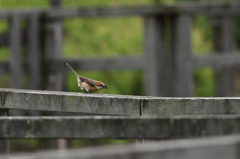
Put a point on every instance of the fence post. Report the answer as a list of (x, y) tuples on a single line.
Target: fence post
[(154, 72), (181, 55), (54, 51), (34, 68), (53, 48), (15, 60), (224, 43), (4, 143)]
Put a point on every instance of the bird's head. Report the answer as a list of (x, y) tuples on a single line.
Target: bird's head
[(100, 85)]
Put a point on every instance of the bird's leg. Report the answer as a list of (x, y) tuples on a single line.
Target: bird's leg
[(87, 91)]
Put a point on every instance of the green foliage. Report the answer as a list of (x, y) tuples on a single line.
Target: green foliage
[(87, 3), (102, 37), (201, 35), (20, 145), (202, 44), (204, 82), (11, 4), (98, 142)]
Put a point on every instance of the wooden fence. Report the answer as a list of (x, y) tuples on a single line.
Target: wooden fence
[(128, 117), (207, 148), (167, 71)]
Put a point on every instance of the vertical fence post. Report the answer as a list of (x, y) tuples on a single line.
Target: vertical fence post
[(4, 143), (224, 43), (53, 48), (49, 52), (57, 54), (181, 55), (56, 80), (15, 61), (34, 68), (154, 72)]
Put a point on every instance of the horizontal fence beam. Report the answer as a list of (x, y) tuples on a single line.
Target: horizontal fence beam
[(187, 8), (207, 148), (190, 106), (98, 127), (116, 104), (216, 60), (113, 63), (184, 8), (7, 13), (135, 63), (69, 102)]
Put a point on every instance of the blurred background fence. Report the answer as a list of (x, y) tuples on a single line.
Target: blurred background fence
[(167, 61)]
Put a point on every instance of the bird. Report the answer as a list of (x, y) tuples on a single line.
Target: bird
[(86, 84)]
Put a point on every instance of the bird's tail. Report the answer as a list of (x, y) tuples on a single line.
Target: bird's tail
[(73, 70)]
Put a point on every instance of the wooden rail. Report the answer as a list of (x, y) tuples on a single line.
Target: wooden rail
[(116, 104), (207, 148), (213, 60), (99, 127), (69, 102), (216, 60), (188, 8)]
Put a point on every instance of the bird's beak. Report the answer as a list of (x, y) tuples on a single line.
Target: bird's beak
[(105, 87)]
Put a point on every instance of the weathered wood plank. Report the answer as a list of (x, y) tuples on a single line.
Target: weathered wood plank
[(190, 106), (115, 104), (154, 68), (181, 56), (69, 102), (207, 148), (7, 13), (57, 80), (224, 43), (216, 60), (15, 60), (137, 63), (113, 63), (4, 143), (185, 8), (104, 11), (34, 68), (97, 127)]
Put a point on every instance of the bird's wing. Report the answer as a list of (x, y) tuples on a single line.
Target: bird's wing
[(87, 80), (91, 82)]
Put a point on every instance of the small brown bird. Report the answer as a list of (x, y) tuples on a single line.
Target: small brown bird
[(86, 84)]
